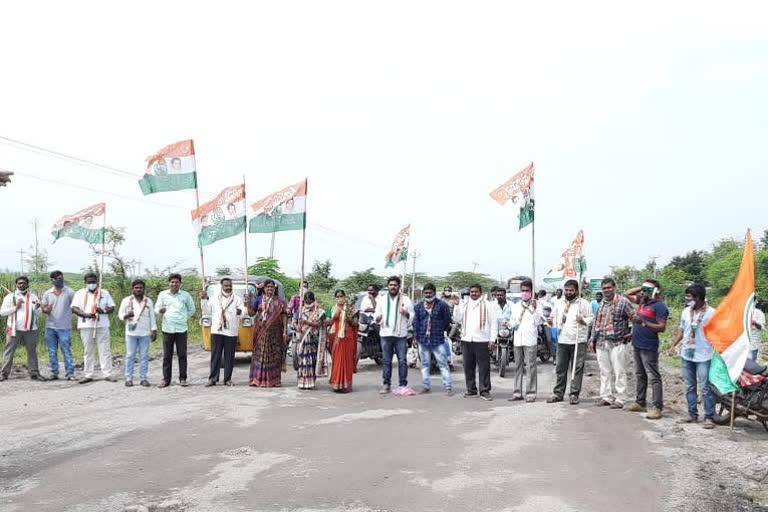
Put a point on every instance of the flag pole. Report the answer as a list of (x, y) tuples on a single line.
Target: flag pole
[(733, 407), (103, 247), (202, 259), (245, 240), (303, 247), (578, 325), (533, 254)]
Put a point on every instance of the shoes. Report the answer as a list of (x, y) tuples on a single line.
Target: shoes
[(617, 405), (37, 377), (70, 377), (530, 399), (110, 379), (708, 424), (424, 391), (449, 392), (53, 377), (85, 380), (162, 384), (687, 420), (602, 402), (183, 383), (230, 384), (470, 395), (574, 400), (144, 383), (3, 377), (554, 399), (207, 384), (515, 398), (636, 407), (653, 414), (486, 396), (384, 389), (129, 383)]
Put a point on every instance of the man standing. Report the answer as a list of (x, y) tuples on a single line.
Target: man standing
[(757, 324), (526, 316), (20, 307), (649, 320), (93, 306), (572, 346), (609, 339), (431, 318), (57, 304), (596, 303), (225, 310), (368, 304), (393, 313), (138, 313), (177, 307), (477, 318), (696, 354)]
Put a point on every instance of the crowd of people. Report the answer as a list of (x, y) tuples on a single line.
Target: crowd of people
[(611, 326)]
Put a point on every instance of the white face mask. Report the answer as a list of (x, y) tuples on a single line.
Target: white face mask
[(92, 286), (429, 299), (691, 303)]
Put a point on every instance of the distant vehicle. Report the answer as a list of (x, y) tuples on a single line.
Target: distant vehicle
[(245, 332), (513, 289)]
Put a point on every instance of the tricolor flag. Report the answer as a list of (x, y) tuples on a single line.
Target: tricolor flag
[(519, 190), (222, 217), (87, 224), (171, 168), (285, 210), (728, 328), (399, 250), (571, 264)]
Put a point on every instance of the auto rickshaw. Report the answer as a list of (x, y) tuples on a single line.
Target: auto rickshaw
[(239, 286)]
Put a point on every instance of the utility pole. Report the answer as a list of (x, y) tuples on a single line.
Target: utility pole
[(21, 259), (415, 256), (272, 247), (474, 266), (37, 254)]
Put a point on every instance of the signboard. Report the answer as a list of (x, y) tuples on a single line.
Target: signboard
[(595, 285)]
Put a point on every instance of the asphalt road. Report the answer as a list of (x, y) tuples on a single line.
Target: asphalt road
[(102, 446)]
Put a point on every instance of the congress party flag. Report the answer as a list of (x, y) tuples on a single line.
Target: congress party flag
[(571, 263), (728, 328), (222, 217), (285, 210), (171, 168), (519, 190), (399, 250), (87, 225)]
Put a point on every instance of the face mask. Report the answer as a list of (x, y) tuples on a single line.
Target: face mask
[(526, 296), (23, 292), (58, 283), (91, 286), (429, 299), (690, 303)]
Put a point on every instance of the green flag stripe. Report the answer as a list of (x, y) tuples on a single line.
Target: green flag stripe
[(526, 215), (718, 375), (151, 184), (219, 231), (263, 223), (92, 236)]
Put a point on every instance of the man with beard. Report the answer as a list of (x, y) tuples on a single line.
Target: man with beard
[(525, 318), (21, 309), (431, 318), (477, 318), (137, 311), (574, 325), (393, 313)]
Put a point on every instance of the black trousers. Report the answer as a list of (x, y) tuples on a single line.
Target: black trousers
[(171, 340), (647, 372), (225, 345), (477, 355), (563, 368)]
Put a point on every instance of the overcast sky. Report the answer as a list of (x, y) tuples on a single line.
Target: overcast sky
[(647, 125)]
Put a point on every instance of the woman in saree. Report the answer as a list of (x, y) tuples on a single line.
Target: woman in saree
[(343, 334), (311, 352), (270, 336)]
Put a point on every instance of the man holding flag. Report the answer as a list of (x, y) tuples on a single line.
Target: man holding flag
[(21, 309), (93, 306)]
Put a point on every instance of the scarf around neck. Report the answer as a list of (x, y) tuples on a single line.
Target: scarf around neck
[(477, 304), (397, 310)]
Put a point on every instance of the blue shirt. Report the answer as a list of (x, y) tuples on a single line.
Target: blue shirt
[(595, 306), (642, 337), (438, 321), (702, 350)]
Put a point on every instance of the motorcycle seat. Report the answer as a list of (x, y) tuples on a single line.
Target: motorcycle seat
[(755, 369)]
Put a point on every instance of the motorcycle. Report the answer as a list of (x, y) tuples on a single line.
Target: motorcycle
[(502, 355), (368, 340), (751, 398), (543, 347)]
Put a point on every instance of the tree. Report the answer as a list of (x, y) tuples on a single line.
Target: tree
[(38, 263), (359, 280), (694, 265), (461, 279), (118, 264), (626, 277), (764, 240), (722, 270), (269, 267), (224, 270), (320, 278)]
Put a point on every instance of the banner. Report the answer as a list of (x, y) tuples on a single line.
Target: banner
[(171, 168), (571, 264), (399, 250), (519, 190), (285, 210), (87, 225), (222, 217)]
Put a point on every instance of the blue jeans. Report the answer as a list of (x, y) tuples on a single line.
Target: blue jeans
[(753, 355), (441, 356), (56, 338), (693, 372), (132, 344), (389, 346)]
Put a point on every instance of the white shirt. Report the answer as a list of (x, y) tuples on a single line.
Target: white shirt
[(525, 320), (83, 299), (558, 306), (231, 304), (571, 330), (368, 303), (143, 321), (24, 315), (473, 327), (401, 329)]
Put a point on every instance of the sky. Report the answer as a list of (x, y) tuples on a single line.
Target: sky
[(647, 126)]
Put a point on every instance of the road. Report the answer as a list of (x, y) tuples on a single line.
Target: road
[(99, 447)]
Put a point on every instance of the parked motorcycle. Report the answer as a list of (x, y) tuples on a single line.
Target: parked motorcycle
[(368, 339), (502, 355), (751, 397), (543, 347)]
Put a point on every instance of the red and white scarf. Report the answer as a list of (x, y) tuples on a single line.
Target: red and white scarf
[(483, 312), (27, 298)]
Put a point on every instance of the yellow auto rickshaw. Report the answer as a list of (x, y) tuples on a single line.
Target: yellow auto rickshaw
[(239, 286)]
